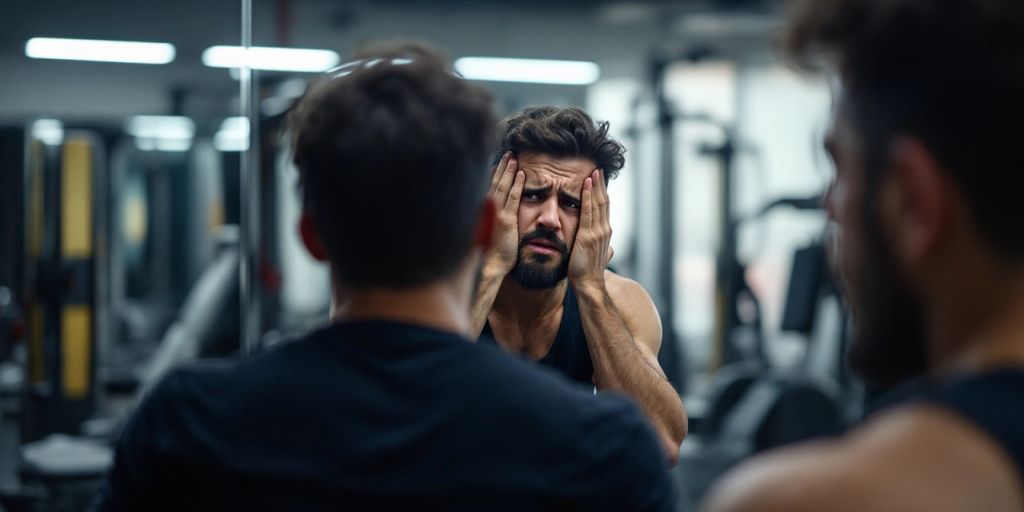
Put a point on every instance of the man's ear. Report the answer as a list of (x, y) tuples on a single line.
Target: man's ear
[(483, 238), (310, 238), (918, 200)]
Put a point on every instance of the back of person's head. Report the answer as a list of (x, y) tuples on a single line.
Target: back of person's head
[(563, 133), (392, 150), (949, 73)]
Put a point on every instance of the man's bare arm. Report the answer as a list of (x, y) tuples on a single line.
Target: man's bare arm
[(506, 188), (487, 290), (623, 335), (623, 342)]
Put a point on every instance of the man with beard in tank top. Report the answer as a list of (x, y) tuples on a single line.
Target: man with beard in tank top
[(928, 206), (545, 291)]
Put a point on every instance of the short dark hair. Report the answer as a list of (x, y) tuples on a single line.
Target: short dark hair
[(948, 72), (564, 133), (392, 152)]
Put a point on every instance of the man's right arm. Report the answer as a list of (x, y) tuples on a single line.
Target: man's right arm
[(487, 290), (506, 188)]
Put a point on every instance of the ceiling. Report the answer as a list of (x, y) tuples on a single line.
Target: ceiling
[(617, 35)]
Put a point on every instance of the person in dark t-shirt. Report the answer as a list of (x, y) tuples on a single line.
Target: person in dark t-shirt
[(391, 406)]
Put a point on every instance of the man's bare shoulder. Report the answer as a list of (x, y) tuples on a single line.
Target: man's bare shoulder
[(915, 458), (637, 308), (625, 291)]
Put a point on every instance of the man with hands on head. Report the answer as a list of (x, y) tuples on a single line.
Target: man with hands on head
[(545, 291)]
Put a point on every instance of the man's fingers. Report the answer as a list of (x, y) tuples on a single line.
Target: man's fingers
[(587, 206), (601, 198), (517, 190), (507, 177), (499, 171)]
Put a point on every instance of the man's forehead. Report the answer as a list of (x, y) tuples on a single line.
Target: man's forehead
[(549, 169), (544, 179)]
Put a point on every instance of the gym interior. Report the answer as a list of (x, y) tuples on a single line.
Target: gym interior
[(148, 204)]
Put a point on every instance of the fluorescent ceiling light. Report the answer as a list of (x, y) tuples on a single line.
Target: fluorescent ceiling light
[(233, 135), (538, 71), (175, 145), (224, 142), (161, 127), (99, 51), (274, 59), (49, 131)]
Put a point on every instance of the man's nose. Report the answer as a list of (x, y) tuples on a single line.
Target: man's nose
[(549, 217)]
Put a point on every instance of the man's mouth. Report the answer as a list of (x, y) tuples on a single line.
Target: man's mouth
[(543, 247)]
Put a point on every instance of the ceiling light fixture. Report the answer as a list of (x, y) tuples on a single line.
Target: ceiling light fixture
[(99, 51), (538, 71), (271, 59), (233, 135)]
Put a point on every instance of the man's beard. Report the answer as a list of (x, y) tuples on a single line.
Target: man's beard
[(889, 341), (538, 274)]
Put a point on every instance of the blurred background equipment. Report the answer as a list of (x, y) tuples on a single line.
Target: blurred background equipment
[(148, 203)]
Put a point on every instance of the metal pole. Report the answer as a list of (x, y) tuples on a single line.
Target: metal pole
[(249, 201), (666, 119)]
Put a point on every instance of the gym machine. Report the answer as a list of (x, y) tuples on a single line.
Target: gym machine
[(752, 405), (103, 248)]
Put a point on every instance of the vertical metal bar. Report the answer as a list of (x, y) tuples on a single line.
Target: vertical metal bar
[(727, 264), (100, 256), (249, 200), (666, 202), (666, 118)]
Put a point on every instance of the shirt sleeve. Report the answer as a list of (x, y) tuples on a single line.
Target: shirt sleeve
[(652, 487), (132, 482), (636, 465)]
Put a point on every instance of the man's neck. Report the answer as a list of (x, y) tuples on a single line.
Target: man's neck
[(517, 303), (437, 306), (982, 330)]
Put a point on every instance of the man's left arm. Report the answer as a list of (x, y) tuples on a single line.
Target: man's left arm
[(621, 324), (624, 335)]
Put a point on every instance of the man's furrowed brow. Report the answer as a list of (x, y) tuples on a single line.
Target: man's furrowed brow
[(565, 195)]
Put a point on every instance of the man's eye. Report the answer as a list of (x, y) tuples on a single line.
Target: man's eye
[(531, 196), (572, 205)]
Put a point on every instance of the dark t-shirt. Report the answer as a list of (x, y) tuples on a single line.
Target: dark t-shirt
[(383, 416)]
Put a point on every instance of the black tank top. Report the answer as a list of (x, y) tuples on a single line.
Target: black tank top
[(569, 353), (993, 402)]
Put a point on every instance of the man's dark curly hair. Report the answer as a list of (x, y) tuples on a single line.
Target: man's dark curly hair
[(563, 133)]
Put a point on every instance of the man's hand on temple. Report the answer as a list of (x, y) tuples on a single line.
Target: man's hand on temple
[(592, 249), (506, 189)]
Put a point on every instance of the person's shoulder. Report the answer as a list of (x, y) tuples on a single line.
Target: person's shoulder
[(542, 393), (627, 294), (184, 381), (513, 377), (620, 445), (624, 286), (912, 458)]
